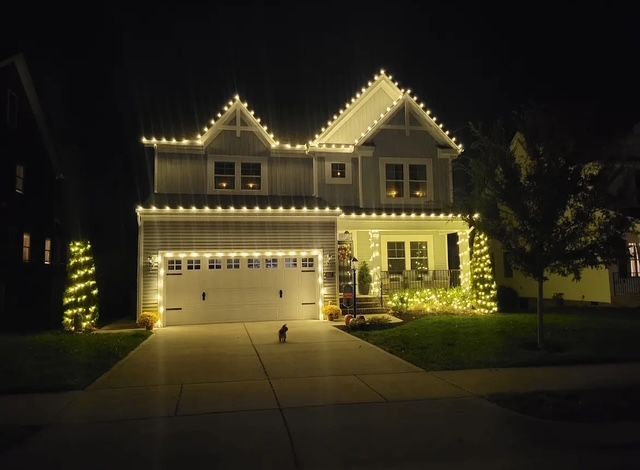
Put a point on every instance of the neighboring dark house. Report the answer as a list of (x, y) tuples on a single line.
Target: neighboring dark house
[(32, 241)]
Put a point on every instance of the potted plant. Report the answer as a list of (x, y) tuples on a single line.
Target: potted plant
[(364, 278), (148, 320), (331, 312)]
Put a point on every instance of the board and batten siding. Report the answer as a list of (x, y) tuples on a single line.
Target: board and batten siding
[(181, 173), (224, 234), (339, 194), (391, 143), (291, 176)]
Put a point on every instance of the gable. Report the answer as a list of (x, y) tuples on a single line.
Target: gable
[(228, 143)]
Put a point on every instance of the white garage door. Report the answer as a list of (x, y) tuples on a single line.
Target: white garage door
[(199, 289)]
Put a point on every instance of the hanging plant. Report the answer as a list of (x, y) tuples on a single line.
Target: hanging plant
[(344, 253)]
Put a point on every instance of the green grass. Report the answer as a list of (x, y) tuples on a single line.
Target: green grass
[(509, 340), (56, 361), (595, 405)]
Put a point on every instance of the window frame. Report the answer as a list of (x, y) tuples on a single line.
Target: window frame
[(308, 262), (233, 263), (237, 175), (174, 264), (425, 257), (214, 264), (26, 247), (348, 170), (47, 250), (291, 262), (254, 263), (194, 264), (406, 163), (407, 239), (402, 243), (271, 263)]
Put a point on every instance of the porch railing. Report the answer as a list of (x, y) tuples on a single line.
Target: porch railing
[(626, 285), (391, 282)]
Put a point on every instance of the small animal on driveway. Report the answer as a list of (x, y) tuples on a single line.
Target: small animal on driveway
[(282, 333)]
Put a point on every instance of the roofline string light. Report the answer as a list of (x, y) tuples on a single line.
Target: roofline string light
[(313, 144), (336, 211)]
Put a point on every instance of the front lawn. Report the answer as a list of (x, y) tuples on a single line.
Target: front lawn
[(56, 361), (595, 405), (509, 340)]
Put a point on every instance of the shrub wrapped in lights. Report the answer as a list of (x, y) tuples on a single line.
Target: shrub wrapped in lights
[(483, 285), (81, 295), (456, 300)]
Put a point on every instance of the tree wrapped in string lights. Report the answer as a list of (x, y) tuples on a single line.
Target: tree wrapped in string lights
[(81, 295), (483, 286)]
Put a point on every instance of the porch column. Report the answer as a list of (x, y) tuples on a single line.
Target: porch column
[(465, 258)]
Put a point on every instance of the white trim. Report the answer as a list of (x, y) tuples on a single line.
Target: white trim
[(348, 168), (237, 161), (407, 239), (406, 199)]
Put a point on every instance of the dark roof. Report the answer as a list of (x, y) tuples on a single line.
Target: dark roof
[(237, 201), (20, 64)]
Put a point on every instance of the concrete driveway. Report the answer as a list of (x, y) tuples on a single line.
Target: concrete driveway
[(230, 396)]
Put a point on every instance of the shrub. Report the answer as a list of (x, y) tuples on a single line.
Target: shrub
[(372, 323), (364, 278), (331, 312), (148, 320), (508, 299), (433, 301)]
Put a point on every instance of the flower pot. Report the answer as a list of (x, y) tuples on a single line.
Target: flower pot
[(364, 290)]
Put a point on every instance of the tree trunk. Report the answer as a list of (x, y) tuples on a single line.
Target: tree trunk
[(539, 311)]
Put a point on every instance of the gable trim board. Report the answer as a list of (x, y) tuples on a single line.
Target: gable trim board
[(381, 84)]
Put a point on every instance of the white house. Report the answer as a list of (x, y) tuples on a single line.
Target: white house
[(242, 226)]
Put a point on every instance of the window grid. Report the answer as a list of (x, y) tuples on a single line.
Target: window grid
[(253, 263), (395, 257), (47, 251), (174, 265), (394, 174), (291, 262), (215, 263), (251, 176), (419, 258), (233, 263), (224, 175), (26, 247), (271, 263), (417, 181), (308, 262), (193, 264), (338, 170)]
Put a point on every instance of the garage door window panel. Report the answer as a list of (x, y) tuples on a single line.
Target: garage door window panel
[(193, 265), (233, 263), (215, 263)]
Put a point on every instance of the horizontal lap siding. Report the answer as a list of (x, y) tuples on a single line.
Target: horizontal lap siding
[(223, 235)]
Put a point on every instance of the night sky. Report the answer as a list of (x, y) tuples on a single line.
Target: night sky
[(107, 75)]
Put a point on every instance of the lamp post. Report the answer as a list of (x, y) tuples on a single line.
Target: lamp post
[(354, 267)]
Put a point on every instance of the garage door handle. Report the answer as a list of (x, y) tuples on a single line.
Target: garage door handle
[(204, 296), (280, 293)]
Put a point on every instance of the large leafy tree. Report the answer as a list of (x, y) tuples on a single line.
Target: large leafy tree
[(545, 206)]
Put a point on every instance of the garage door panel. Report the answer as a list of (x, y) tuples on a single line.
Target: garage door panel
[(284, 291)]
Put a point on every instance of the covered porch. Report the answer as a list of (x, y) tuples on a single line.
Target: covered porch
[(403, 251)]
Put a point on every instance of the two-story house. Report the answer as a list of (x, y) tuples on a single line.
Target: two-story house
[(242, 226), (32, 239)]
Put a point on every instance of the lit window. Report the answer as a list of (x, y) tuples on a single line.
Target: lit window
[(250, 176), (26, 247), (394, 173), (271, 263), (419, 261), (395, 257), (174, 265), (19, 178), (215, 263), (224, 175), (338, 170), (47, 251), (307, 262), (253, 263), (418, 181), (233, 263), (291, 262), (193, 265)]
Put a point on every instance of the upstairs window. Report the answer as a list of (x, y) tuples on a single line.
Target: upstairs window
[(338, 170), (12, 108), (250, 176), (26, 247), (394, 180), (224, 175), (418, 181), (19, 178), (406, 181), (47, 251)]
